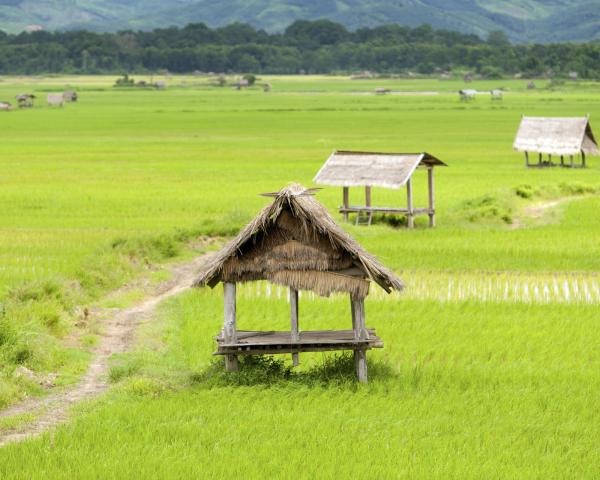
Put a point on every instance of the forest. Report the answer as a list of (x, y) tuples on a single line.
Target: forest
[(312, 47)]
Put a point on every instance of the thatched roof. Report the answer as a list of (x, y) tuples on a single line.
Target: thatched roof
[(556, 136), (295, 242), (355, 169)]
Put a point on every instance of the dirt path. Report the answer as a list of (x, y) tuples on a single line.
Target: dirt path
[(537, 211), (117, 338)]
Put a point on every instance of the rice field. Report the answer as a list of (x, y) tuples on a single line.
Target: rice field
[(491, 358)]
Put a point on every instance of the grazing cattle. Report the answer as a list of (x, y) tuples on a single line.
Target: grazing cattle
[(55, 100), (70, 96), (5, 106), (25, 100)]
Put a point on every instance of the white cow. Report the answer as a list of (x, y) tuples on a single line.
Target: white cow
[(55, 99), (5, 106)]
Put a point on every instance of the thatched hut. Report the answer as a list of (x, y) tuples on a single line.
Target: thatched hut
[(388, 170), (294, 242), (25, 100), (55, 100), (559, 136)]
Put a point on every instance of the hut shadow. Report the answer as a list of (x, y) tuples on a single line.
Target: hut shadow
[(267, 371)]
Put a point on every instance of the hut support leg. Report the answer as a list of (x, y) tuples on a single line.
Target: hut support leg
[(229, 324), (582, 159), (540, 160), (431, 197), (562, 161), (360, 333), (368, 204), (294, 319), (527, 159), (409, 200), (346, 202)]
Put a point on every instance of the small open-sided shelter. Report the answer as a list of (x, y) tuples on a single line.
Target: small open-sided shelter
[(556, 136), (387, 170), (296, 243)]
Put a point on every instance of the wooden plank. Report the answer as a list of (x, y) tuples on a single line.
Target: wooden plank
[(409, 204), (355, 209), (229, 323), (294, 334), (285, 338), (431, 197), (286, 349)]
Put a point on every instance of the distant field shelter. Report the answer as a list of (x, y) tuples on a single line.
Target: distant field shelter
[(388, 170), (560, 138), (296, 243)]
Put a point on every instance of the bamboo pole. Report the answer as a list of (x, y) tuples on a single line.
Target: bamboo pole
[(360, 333), (294, 321), (431, 197), (409, 200), (229, 324), (346, 202)]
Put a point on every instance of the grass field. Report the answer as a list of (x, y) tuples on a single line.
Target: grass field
[(491, 363)]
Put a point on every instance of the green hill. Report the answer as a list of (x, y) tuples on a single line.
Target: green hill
[(522, 20)]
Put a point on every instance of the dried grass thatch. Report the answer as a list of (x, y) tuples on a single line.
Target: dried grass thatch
[(357, 169), (556, 136), (295, 242)]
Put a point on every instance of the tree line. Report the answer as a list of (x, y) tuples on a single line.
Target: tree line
[(319, 46)]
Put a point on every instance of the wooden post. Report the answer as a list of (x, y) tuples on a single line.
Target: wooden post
[(368, 196), (572, 161), (229, 324), (431, 197), (346, 202), (527, 159), (562, 160), (549, 159), (294, 320), (409, 200), (360, 333), (540, 160), (583, 159)]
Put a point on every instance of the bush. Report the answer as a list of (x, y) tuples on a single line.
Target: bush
[(525, 191), (250, 78), (487, 208)]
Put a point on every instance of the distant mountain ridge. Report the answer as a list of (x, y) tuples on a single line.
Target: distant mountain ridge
[(523, 20)]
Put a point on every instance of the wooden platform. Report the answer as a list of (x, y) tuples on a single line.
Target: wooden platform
[(357, 209), (259, 343)]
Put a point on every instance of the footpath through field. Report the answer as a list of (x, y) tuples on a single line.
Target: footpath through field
[(117, 338)]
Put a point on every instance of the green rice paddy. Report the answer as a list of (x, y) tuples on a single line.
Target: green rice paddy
[(491, 360)]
